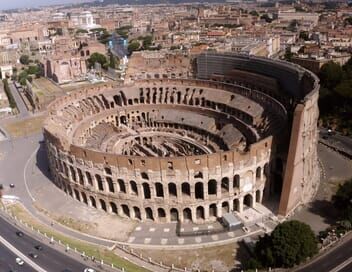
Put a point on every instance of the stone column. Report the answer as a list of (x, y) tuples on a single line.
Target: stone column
[(218, 189), (206, 212), (218, 210), (240, 204)]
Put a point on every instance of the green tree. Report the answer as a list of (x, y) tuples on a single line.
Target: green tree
[(290, 243), (344, 89), (254, 13), (330, 74), (114, 62), (304, 35), (97, 57), (133, 46), (342, 200), (24, 59), (266, 18), (22, 77)]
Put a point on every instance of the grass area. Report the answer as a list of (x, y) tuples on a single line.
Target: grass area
[(217, 258), (90, 250), (25, 127)]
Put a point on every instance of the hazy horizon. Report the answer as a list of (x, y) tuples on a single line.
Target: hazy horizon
[(35, 3)]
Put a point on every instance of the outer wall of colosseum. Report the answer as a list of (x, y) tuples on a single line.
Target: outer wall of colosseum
[(269, 104)]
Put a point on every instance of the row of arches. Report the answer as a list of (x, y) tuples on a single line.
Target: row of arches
[(162, 214)]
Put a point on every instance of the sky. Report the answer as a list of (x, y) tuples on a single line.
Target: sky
[(5, 4)]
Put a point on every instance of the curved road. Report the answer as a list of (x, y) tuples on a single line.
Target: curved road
[(49, 259)]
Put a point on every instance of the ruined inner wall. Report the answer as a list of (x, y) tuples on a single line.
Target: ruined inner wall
[(298, 91)]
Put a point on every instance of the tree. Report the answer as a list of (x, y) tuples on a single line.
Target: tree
[(133, 46), (254, 13), (266, 18), (24, 59), (304, 35), (97, 57), (330, 74), (342, 200), (114, 63), (290, 243), (345, 89)]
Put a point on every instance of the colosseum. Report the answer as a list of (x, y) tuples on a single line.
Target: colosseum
[(168, 148)]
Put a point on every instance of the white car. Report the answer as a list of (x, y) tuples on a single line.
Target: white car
[(89, 270), (19, 261)]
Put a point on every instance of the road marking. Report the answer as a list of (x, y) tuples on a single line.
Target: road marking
[(152, 229), (180, 241), (342, 265), (138, 229), (24, 173), (147, 240), (166, 230), (164, 241), (21, 255)]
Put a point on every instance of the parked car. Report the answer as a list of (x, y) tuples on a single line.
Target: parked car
[(89, 270), (38, 247), (19, 233), (33, 255), (19, 261), (12, 185)]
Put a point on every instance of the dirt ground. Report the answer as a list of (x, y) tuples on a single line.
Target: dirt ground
[(217, 258), (25, 127)]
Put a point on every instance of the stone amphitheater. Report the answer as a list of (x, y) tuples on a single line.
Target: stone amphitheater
[(241, 130)]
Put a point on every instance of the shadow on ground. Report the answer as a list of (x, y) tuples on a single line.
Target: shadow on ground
[(325, 210), (242, 256), (42, 160)]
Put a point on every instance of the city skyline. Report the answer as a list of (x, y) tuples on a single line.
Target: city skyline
[(35, 3)]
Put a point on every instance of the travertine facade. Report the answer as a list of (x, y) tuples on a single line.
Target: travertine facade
[(188, 149)]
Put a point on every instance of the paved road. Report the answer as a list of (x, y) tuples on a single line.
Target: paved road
[(20, 104), (332, 259), (49, 259), (8, 263)]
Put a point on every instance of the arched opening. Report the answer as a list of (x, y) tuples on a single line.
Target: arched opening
[(110, 185), (212, 210), (161, 214), (122, 185), (187, 215), (113, 207), (258, 173), (146, 190), (149, 213), (77, 196), (89, 178), (236, 181), (257, 196), (172, 190), (200, 212), (174, 215), (159, 189), (102, 204), (92, 201), (100, 182), (199, 190), (144, 175), (125, 210), (248, 200), (134, 189), (236, 205), (198, 175), (212, 187), (73, 174), (84, 198), (225, 207), (137, 213), (225, 185), (186, 189)]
